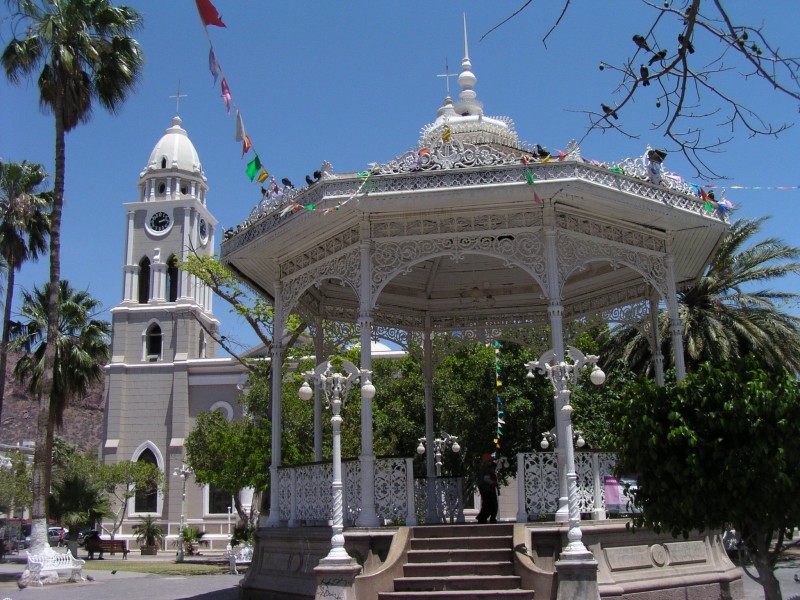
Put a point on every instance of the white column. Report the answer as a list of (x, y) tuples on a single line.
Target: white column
[(599, 511), (368, 516), (411, 508), (430, 464), (675, 326), (556, 312), (319, 350), (158, 274), (276, 356), (131, 269), (186, 290), (658, 358)]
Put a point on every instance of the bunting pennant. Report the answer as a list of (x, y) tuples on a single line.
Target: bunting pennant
[(239, 126), (226, 95), (208, 13), (499, 399), (213, 65), (252, 167), (447, 134), (246, 145), (262, 177)]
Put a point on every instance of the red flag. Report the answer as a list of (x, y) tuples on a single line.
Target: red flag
[(208, 13), (703, 195), (537, 199), (246, 145)]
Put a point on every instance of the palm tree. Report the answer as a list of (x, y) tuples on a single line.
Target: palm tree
[(81, 346), (727, 313), (85, 53), (24, 224)]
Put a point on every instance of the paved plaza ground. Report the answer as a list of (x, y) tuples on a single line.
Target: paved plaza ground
[(131, 584)]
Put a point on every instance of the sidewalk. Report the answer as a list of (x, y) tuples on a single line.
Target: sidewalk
[(121, 584)]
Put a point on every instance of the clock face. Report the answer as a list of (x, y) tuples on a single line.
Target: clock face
[(203, 230), (159, 221)]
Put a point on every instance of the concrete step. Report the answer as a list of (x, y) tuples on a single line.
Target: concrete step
[(461, 555), (481, 541), (463, 530), (460, 595), (459, 582), (452, 569)]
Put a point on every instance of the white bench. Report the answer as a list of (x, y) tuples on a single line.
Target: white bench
[(41, 566)]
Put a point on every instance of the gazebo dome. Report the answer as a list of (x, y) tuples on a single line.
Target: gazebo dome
[(175, 151)]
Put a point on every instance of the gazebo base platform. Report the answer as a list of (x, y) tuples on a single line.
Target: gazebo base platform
[(638, 565)]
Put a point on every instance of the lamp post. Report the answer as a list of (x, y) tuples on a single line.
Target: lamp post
[(335, 386), (183, 472), (440, 444), (562, 374)]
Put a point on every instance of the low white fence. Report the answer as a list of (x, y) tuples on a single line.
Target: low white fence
[(305, 490), (538, 483)]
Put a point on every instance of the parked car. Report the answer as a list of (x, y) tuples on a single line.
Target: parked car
[(85, 531), (55, 535)]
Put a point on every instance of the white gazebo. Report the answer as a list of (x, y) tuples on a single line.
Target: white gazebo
[(470, 233)]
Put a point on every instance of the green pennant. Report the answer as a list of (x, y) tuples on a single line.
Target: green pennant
[(253, 167), (529, 176)]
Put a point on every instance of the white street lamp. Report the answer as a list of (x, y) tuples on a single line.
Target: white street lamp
[(440, 444), (183, 472), (335, 387), (563, 374)]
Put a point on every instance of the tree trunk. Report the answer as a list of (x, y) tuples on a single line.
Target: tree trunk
[(766, 574), (4, 340), (42, 457)]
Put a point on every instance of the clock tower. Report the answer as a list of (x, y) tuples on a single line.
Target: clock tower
[(164, 368)]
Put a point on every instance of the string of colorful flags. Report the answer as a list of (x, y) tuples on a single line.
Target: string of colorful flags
[(498, 437)]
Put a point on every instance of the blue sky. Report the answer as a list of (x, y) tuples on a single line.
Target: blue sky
[(353, 83)]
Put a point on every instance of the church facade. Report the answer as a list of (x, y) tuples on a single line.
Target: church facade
[(164, 368)]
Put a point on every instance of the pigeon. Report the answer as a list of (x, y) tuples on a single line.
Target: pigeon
[(645, 73), (797, 577), (309, 181), (656, 156), (685, 43), (89, 578), (641, 42), (286, 183), (660, 55), (317, 175), (609, 111), (114, 572), (542, 153), (263, 191)]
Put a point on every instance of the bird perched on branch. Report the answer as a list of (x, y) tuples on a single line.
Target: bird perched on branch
[(660, 55), (685, 43), (607, 110), (645, 73), (641, 42)]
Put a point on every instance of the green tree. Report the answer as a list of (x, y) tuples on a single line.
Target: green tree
[(24, 224), (81, 345), (15, 483), (120, 481), (85, 54), (231, 455), (718, 450), (725, 315)]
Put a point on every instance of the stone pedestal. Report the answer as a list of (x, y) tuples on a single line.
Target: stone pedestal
[(577, 579), (335, 580)]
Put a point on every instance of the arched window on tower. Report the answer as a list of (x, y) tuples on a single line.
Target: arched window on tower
[(146, 498), (163, 162), (172, 279), (152, 343), (144, 280)]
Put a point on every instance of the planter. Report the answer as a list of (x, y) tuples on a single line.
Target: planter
[(148, 550)]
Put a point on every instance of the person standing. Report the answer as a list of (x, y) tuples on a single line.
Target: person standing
[(487, 486)]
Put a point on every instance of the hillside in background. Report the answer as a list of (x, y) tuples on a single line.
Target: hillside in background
[(83, 420)]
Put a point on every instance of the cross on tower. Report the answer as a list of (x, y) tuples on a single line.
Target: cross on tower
[(178, 97), (447, 75)]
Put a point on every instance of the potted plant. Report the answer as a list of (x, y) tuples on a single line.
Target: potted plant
[(149, 535), (192, 540)]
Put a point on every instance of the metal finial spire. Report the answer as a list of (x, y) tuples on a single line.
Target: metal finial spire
[(447, 75), (466, 48), (178, 97)]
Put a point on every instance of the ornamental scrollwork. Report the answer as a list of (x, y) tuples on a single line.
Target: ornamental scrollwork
[(344, 267)]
